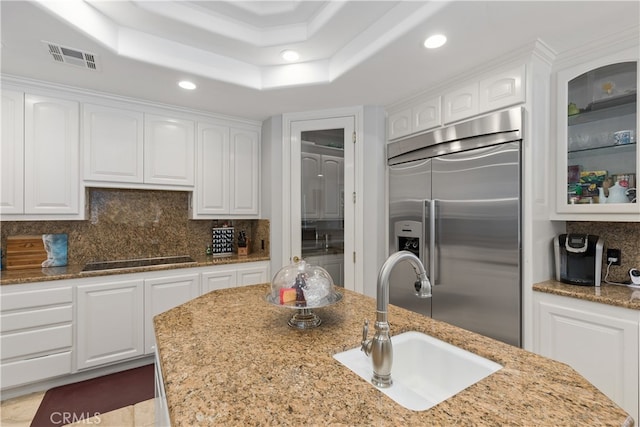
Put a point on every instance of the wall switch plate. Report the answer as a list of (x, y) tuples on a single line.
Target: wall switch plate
[(613, 256)]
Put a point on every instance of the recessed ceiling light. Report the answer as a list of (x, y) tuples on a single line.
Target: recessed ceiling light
[(290, 55), (185, 84), (435, 41)]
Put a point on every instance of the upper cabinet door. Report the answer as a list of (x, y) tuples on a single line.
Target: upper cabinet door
[(461, 104), (113, 144), (421, 116), (597, 151), (169, 151), (51, 182), (228, 171), (212, 187), (426, 115), (311, 185), (12, 153), (502, 90), (399, 124), (245, 171), (333, 184)]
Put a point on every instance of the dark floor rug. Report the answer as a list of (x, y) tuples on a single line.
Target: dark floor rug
[(79, 401)]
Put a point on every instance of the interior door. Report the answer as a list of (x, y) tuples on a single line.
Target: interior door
[(322, 173)]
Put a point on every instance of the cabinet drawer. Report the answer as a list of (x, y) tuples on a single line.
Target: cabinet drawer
[(36, 341), (35, 298), (36, 369), (34, 318)]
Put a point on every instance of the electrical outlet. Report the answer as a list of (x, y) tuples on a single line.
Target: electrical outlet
[(614, 256)]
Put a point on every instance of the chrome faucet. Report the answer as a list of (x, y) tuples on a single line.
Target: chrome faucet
[(379, 348)]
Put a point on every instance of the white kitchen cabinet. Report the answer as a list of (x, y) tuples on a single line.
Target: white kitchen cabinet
[(502, 90), (113, 144), (252, 273), (399, 124), (426, 115), (227, 172), (53, 329), (36, 330), (597, 340), (333, 263), (332, 184), (245, 171), (461, 103), (421, 116), (12, 154), (215, 278), (110, 325), (40, 158), (211, 194), (322, 186), (162, 294), (490, 92), (127, 146), (596, 100), (169, 150), (51, 156), (311, 171), (232, 275)]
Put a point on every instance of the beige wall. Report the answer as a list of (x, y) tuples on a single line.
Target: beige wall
[(126, 224)]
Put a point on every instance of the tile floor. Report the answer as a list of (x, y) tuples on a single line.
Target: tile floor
[(19, 412)]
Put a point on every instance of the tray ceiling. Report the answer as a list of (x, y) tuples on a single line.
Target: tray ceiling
[(351, 52)]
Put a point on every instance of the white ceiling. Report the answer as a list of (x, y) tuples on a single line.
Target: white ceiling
[(352, 52)]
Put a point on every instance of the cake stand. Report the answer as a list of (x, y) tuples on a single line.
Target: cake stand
[(304, 317)]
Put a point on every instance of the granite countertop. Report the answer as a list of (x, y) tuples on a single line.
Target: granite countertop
[(229, 358), (12, 277), (621, 296)]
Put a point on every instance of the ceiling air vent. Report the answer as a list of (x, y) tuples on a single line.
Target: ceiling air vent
[(71, 56)]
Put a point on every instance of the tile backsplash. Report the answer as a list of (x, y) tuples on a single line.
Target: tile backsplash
[(126, 224), (617, 235)]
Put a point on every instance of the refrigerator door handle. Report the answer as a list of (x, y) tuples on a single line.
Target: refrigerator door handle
[(433, 270), (424, 248)]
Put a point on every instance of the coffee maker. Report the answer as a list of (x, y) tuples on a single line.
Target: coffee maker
[(578, 259)]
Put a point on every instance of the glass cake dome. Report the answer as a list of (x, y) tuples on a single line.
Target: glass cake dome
[(302, 286)]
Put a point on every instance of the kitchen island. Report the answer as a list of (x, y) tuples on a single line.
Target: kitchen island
[(229, 358)]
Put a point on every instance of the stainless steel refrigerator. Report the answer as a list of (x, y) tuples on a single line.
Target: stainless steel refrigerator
[(454, 200)]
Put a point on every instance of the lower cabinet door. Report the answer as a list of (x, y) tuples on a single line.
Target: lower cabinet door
[(253, 274), (598, 341), (218, 279), (52, 339), (27, 371), (110, 322), (334, 264), (163, 294)]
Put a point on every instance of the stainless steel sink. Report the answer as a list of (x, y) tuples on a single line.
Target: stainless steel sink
[(134, 263)]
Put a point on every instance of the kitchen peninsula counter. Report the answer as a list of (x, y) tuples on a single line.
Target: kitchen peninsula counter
[(12, 277), (620, 296), (229, 358)]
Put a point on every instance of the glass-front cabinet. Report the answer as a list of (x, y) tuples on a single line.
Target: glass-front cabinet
[(597, 151)]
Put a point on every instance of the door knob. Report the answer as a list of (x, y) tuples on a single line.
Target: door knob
[(296, 258)]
